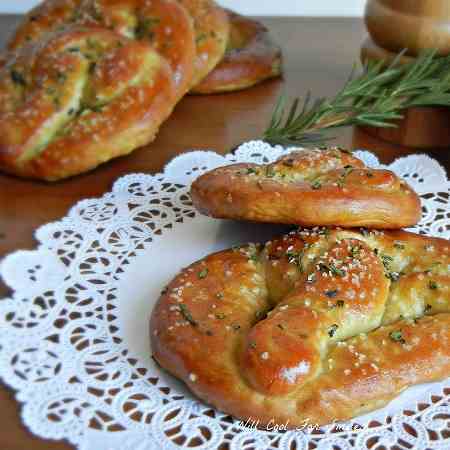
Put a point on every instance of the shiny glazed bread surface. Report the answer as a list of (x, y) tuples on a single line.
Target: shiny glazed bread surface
[(319, 325), (165, 24), (79, 98), (314, 187)]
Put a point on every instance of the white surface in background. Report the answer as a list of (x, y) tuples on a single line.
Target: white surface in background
[(251, 7)]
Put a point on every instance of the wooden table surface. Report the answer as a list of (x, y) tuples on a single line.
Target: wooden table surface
[(318, 56)]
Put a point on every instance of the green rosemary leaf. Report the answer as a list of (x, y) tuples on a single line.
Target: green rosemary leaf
[(377, 97)]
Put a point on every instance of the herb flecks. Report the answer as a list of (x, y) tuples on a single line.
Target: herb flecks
[(331, 293), (332, 269), (184, 310), (145, 28), (397, 336), (295, 257), (316, 185), (386, 260), (203, 273), (355, 251), (332, 330), (346, 172), (18, 78), (433, 285)]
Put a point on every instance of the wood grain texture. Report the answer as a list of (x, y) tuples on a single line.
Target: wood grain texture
[(414, 25), (312, 61)]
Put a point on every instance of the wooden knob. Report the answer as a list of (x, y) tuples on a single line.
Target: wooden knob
[(412, 24)]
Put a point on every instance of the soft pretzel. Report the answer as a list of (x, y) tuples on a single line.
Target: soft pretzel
[(313, 187), (317, 326), (78, 99), (251, 57)]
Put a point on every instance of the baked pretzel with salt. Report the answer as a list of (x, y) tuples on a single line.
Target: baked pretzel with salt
[(309, 187), (316, 326), (78, 99)]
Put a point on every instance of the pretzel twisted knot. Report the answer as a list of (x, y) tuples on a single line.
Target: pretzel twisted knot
[(319, 325), (79, 98)]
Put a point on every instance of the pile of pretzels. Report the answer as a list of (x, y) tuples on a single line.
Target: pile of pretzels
[(84, 81), (322, 324)]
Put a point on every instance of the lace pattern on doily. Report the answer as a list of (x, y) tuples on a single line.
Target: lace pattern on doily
[(62, 346)]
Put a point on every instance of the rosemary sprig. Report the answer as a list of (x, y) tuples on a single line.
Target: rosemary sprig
[(377, 97)]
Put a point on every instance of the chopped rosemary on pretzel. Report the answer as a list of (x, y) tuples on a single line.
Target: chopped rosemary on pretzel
[(187, 315), (397, 336)]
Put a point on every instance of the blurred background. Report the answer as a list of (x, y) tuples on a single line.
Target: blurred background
[(251, 7)]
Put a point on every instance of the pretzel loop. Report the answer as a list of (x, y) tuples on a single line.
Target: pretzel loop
[(83, 87), (301, 328), (165, 24)]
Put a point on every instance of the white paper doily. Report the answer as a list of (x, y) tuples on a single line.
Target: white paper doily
[(74, 335)]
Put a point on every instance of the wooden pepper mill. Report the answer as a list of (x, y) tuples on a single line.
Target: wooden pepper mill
[(415, 25)]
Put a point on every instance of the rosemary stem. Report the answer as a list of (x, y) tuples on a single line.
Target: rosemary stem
[(377, 97)]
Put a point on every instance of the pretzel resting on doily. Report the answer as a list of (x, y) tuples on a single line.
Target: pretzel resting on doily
[(328, 187), (318, 325)]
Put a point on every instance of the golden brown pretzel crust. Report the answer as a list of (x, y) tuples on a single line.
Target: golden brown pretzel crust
[(46, 17), (212, 30), (78, 99), (251, 57), (198, 43), (314, 187), (164, 23), (319, 325)]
